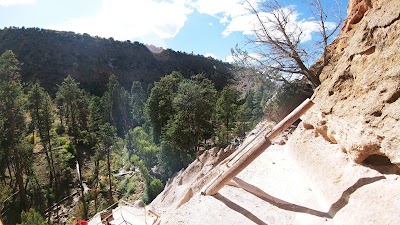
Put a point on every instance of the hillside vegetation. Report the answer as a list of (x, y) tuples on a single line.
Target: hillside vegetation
[(70, 154), (49, 56)]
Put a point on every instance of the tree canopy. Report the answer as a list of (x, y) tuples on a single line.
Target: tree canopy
[(121, 145)]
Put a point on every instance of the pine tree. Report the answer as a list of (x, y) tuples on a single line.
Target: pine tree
[(40, 107), (138, 100), (159, 104), (117, 108), (225, 112), (72, 105), (69, 97), (193, 105), (12, 105), (257, 110), (106, 138)]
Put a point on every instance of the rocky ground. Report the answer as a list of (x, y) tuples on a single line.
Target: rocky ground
[(278, 189), (340, 165)]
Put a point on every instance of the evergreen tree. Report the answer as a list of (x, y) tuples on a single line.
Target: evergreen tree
[(159, 107), (106, 138), (12, 106), (40, 107), (138, 100), (193, 105), (225, 112), (116, 102), (257, 110), (96, 120), (244, 120), (169, 160), (72, 105)]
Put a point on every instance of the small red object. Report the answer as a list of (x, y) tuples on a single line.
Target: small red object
[(82, 222)]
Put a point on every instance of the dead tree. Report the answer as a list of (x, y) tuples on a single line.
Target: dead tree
[(280, 43)]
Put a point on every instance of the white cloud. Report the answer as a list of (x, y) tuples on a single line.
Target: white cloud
[(231, 12), (16, 2), (127, 20), (210, 55), (229, 8), (229, 59), (251, 59), (237, 17), (224, 20), (244, 24)]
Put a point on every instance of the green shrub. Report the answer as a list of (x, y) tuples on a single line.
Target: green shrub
[(152, 190), (32, 217), (70, 148), (134, 160), (122, 185), (131, 188), (59, 141)]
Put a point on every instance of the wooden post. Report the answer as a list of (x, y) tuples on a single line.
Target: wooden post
[(254, 152), (290, 119)]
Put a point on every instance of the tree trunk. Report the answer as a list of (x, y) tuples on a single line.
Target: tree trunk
[(197, 136), (20, 181), (50, 167), (96, 173), (82, 189), (9, 171), (109, 173), (51, 155)]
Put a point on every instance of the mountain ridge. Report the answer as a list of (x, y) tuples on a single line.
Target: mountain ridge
[(49, 56)]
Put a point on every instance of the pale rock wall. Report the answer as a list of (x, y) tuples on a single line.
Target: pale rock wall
[(357, 104), (356, 115)]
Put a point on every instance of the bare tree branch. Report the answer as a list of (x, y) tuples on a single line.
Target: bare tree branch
[(277, 40)]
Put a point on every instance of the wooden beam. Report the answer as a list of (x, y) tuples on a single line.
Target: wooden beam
[(255, 151), (290, 119)]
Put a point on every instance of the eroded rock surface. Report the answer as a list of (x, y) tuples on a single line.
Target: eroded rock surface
[(349, 142), (357, 104)]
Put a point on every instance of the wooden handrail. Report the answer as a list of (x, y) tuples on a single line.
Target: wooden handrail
[(217, 183)]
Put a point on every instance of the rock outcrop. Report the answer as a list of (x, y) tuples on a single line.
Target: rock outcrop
[(181, 188), (349, 143), (357, 103)]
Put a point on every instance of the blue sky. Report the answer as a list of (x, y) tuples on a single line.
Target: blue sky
[(207, 27)]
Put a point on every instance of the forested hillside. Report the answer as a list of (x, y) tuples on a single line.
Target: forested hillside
[(71, 154), (49, 56)]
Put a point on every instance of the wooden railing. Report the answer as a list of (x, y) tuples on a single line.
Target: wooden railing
[(216, 184)]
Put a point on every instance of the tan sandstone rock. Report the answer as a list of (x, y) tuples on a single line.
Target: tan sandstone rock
[(358, 97), (355, 120)]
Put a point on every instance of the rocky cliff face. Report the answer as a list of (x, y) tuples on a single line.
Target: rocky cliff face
[(357, 105), (349, 143)]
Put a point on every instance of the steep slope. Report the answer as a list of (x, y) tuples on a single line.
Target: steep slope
[(341, 164), (354, 125), (50, 56)]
